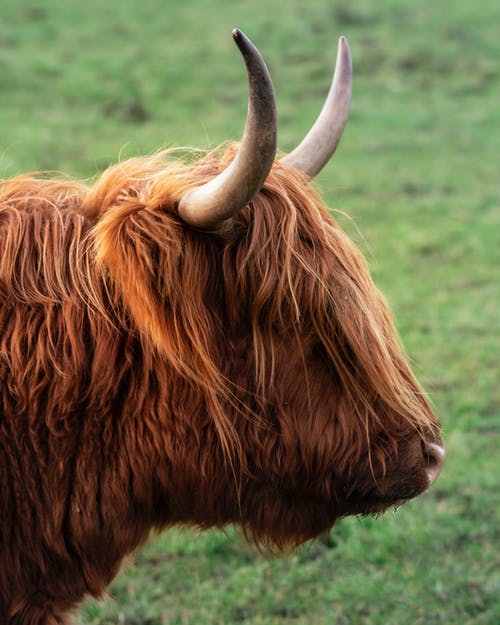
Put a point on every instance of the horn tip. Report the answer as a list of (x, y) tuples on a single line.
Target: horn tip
[(344, 54), (241, 40), (343, 43), (237, 35), (244, 44)]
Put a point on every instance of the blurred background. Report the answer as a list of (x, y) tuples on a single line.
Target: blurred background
[(416, 184)]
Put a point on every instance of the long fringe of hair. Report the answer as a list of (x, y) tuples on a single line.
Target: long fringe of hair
[(119, 248)]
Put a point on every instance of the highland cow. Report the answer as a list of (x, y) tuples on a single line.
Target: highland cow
[(192, 342)]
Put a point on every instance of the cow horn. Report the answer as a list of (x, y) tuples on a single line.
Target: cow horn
[(315, 150), (211, 205)]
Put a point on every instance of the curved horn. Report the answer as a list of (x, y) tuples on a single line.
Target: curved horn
[(220, 199), (315, 150)]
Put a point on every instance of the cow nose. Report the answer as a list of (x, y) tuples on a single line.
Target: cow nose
[(434, 456)]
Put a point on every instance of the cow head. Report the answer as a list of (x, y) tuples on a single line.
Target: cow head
[(286, 352)]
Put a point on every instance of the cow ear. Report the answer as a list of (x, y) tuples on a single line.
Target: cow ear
[(316, 149), (214, 204)]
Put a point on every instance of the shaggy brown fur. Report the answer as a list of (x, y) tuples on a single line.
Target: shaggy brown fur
[(151, 374)]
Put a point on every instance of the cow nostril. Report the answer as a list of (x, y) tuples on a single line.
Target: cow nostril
[(434, 456)]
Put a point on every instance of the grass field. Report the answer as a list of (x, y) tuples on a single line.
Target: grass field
[(83, 84)]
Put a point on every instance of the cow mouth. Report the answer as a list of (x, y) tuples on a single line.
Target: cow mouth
[(374, 507), (400, 484), (387, 495)]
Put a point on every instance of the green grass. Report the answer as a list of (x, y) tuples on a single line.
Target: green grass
[(82, 84)]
